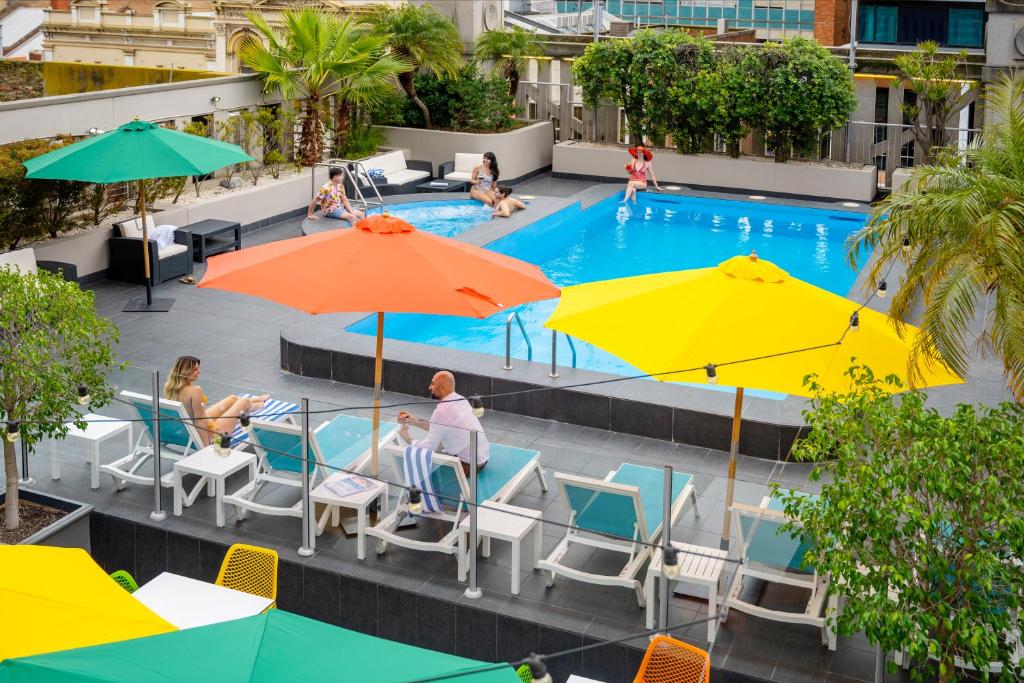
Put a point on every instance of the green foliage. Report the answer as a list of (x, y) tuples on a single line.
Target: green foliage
[(509, 50), (51, 341), (363, 141), (420, 37), (919, 522), (669, 82), (934, 79), (964, 219)]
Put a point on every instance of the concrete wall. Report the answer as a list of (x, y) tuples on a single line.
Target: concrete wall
[(520, 152), (899, 178), (815, 180), (249, 206), (76, 114)]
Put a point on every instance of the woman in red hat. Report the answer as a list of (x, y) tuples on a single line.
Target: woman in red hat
[(638, 169)]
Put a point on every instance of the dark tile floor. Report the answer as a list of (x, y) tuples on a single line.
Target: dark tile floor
[(237, 339)]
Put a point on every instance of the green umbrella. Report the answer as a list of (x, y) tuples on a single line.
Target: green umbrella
[(138, 150), (269, 648)]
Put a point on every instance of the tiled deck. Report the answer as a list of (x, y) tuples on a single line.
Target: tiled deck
[(237, 338)]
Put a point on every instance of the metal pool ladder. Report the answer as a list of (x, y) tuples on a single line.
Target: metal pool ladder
[(514, 315), (347, 168)]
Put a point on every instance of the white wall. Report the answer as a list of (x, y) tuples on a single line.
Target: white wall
[(815, 180), (519, 152)]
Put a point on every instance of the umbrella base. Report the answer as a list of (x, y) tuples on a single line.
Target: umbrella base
[(138, 304)]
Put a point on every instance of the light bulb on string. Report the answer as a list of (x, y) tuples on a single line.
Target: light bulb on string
[(883, 289), (538, 671), (13, 430), (477, 404), (712, 373), (855, 322), (83, 395), (415, 500), (245, 421), (222, 444), (670, 562)]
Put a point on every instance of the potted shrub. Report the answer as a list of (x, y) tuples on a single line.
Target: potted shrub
[(55, 351)]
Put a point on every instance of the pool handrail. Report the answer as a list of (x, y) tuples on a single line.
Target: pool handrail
[(347, 166), (554, 353), (508, 339)]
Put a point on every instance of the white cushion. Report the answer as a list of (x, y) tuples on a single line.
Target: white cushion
[(133, 227), (21, 260), (163, 234), (406, 176), (389, 163), (465, 163), (459, 175), (167, 252)]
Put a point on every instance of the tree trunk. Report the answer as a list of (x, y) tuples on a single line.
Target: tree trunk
[(783, 150), (512, 74), (409, 86), (342, 128), (310, 151), (733, 149), (11, 518)]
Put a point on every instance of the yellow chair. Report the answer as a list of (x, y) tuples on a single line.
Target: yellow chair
[(250, 569), (668, 660)]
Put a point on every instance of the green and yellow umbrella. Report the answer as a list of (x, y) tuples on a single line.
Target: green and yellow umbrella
[(136, 151)]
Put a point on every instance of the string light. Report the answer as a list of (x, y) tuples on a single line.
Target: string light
[(883, 290), (906, 244), (855, 322), (222, 444), (83, 395), (477, 404), (244, 420), (415, 500), (670, 562), (712, 373), (13, 430)]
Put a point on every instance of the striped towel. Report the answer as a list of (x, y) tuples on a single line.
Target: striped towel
[(272, 411), (417, 473)]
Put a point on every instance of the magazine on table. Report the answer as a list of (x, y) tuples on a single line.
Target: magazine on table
[(342, 485)]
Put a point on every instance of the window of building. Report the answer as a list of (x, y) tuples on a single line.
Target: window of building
[(877, 23), (170, 15), (881, 114), (966, 26), (87, 13)]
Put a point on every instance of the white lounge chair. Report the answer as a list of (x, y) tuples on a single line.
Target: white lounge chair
[(624, 513), (508, 469), (342, 442), (461, 168), (178, 438), (776, 556)]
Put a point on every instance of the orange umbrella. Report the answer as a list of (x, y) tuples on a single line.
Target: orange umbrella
[(383, 264)]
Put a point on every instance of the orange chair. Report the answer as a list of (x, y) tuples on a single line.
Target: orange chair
[(668, 660), (250, 569)]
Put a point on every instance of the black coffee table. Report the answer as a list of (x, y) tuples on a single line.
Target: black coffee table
[(448, 186), (214, 236)]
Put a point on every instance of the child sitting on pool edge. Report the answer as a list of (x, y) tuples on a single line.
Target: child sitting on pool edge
[(505, 203)]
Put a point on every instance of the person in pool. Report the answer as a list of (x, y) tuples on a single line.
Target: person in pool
[(222, 417), (639, 169), (505, 203), (332, 199), (484, 180)]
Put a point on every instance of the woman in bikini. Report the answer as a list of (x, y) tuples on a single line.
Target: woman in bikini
[(222, 416), (485, 178), (639, 169)]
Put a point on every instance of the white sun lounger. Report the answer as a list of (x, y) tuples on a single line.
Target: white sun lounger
[(342, 442), (507, 471), (776, 556), (621, 513)]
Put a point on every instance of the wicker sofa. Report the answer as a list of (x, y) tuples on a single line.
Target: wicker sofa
[(24, 260), (401, 175), (164, 264)]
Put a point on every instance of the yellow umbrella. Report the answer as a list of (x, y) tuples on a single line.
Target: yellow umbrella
[(746, 307), (59, 598)]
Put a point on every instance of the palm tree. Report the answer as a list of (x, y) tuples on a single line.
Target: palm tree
[(958, 228), (509, 50), (418, 35)]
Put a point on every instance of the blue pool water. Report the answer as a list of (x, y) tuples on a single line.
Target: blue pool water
[(446, 218), (660, 233)]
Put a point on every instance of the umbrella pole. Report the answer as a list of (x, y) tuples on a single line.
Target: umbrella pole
[(734, 447), (136, 304), (378, 371)]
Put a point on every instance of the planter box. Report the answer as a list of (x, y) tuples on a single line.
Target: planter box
[(588, 160), (521, 153), (71, 531)]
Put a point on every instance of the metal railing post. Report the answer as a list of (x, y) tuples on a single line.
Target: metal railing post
[(508, 344), (554, 354), (473, 591), (308, 547), (666, 535), (158, 514), (26, 479)]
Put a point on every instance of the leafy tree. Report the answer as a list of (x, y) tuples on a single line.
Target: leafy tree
[(720, 90), (509, 50), (467, 101), (958, 228), (52, 341), (919, 522), (694, 94), (420, 37), (797, 89), (938, 94)]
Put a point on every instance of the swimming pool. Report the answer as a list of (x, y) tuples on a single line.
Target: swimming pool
[(446, 218), (659, 233)]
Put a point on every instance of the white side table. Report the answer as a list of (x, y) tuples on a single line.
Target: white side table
[(697, 565), (188, 603), (360, 502), (98, 430), (493, 521), (210, 467)]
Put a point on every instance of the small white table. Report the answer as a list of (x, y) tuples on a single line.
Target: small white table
[(493, 521), (697, 565), (98, 430), (580, 679), (211, 467), (188, 603), (360, 502)]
